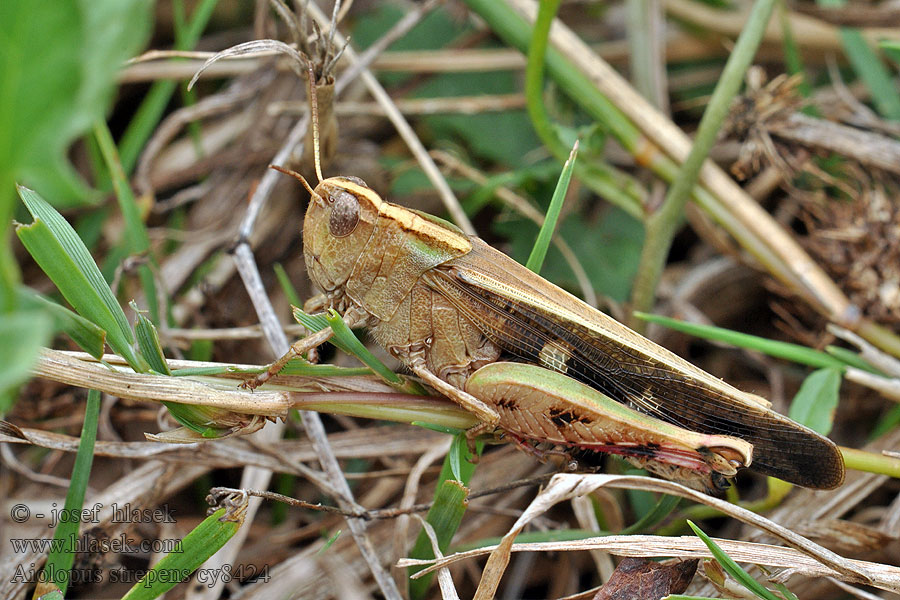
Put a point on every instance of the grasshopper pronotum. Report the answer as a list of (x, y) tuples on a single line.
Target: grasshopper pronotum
[(451, 308)]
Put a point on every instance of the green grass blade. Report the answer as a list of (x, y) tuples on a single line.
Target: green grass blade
[(202, 542), (613, 185), (62, 555), (136, 240), (58, 250), (872, 72), (664, 506), (816, 400), (448, 506), (444, 516), (148, 342), (732, 568), (539, 252), (286, 286), (793, 60), (22, 334), (346, 341), (154, 104), (88, 336), (886, 423), (891, 49), (201, 419), (457, 455), (793, 352), (852, 359)]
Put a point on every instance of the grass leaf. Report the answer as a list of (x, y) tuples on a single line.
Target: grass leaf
[(62, 555), (816, 400), (732, 568), (793, 352), (22, 334), (88, 336), (536, 260), (444, 516), (202, 542), (58, 250)]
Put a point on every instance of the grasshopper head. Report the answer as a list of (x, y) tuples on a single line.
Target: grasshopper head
[(339, 222)]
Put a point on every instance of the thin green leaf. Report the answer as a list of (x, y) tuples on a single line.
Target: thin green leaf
[(148, 342), (88, 336), (200, 419), (816, 400), (300, 366), (199, 371), (154, 104), (886, 423), (732, 568), (22, 334), (664, 506), (793, 60), (891, 49), (329, 542), (62, 554), (852, 359), (539, 252), (456, 453), (438, 428), (296, 366), (444, 516), (793, 352), (58, 250), (197, 546), (347, 341), (871, 71), (135, 241), (286, 285), (788, 594)]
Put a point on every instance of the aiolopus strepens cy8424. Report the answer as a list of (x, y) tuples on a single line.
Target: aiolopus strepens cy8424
[(533, 361)]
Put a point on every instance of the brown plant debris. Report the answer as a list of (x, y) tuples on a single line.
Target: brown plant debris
[(644, 579)]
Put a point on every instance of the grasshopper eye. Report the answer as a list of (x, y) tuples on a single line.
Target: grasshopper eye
[(344, 214)]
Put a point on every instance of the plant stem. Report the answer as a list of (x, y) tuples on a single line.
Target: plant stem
[(662, 225)]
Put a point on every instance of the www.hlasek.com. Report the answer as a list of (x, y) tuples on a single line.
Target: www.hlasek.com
[(209, 577), (121, 544)]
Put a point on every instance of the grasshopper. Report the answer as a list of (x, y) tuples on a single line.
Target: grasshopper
[(532, 361)]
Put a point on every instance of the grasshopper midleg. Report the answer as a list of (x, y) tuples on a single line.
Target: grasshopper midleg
[(455, 311)]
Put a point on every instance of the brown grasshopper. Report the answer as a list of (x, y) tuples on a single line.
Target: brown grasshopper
[(456, 311)]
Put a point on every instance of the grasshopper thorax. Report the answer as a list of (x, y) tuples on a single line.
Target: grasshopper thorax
[(339, 222)]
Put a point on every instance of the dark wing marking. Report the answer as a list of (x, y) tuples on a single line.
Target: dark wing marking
[(604, 354)]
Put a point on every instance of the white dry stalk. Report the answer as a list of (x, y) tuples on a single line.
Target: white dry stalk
[(410, 491), (806, 556), (868, 352), (124, 383), (583, 508), (445, 581)]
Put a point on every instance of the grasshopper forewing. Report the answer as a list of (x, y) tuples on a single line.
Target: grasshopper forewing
[(447, 304)]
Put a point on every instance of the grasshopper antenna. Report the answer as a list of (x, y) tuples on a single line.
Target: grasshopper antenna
[(299, 178), (314, 118), (314, 123)]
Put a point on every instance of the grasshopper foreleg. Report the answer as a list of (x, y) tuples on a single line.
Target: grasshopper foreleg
[(353, 318), (298, 348)]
